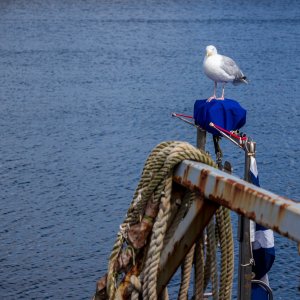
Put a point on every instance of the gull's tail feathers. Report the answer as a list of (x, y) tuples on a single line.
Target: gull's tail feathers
[(240, 80)]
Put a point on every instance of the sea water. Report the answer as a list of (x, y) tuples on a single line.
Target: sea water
[(86, 91)]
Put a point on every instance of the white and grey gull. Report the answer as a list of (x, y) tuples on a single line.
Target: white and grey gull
[(220, 68)]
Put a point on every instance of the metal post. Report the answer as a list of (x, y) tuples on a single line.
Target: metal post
[(245, 251), (201, 141), (201, 138)]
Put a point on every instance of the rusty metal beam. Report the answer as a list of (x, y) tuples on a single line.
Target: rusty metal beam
[(184, 237), (266, 208)]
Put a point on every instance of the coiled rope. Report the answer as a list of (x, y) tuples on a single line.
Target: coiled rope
[(151, 220)]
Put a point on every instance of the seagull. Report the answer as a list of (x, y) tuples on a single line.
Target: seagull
[(220, 68)]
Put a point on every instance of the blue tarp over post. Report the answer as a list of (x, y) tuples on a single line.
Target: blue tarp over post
[(227, 113)]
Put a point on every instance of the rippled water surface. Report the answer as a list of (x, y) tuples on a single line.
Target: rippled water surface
[(86, 91)]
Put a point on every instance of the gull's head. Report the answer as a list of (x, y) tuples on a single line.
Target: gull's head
[(211, 50)]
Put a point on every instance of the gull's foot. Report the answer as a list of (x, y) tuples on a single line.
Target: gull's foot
[(221, 98), (211, 98)]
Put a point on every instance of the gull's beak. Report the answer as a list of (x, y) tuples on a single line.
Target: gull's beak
[(208, 53)]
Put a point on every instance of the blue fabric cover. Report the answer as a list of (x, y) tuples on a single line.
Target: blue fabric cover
[(264, 259), (226, 113), (258, 292)]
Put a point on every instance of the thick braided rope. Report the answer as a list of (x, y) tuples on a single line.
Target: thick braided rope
[(134, 295), (186, 269), (151, 178), (156, 244), (158, 155), (230, 249), (199, 268), (222, 239), (189, 259), (111, 276), (207, 269), (213, 262), (133, 214), (227, 252), (137, 287), (211, 248), (169, 157), (179, 153), (179, 213), (153, 165)]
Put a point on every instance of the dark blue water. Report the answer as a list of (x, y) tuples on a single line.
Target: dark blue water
[(86, 91)]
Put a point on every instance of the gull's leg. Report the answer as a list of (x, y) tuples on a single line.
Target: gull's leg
[(223, 92), (214, 95)]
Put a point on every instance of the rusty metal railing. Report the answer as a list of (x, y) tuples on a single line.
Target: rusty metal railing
[(216, 188), (249, 201), (266, 208)]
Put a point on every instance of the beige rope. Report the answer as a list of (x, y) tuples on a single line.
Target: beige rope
[(226, 245), (156, 244), (155, 185), (211, 248), (137, 287), (186, 274), (199, 268)]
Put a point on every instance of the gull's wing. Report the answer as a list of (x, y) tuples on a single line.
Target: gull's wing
[(230, 67), (233, 70)]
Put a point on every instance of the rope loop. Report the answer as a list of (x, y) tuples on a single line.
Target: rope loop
[(152, 218)]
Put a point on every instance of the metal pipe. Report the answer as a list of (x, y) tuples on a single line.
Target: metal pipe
[(173, 253), (201, 138), (245, 251), (184, 120), (226, 135), (266, 208)]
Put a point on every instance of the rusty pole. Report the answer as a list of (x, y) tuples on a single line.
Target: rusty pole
[(264, 207), (200, 142), (245, 251), (201, 138)]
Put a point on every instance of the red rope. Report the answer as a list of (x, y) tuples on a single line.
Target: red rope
[(244, 138), (230, 133), (182, 115)]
